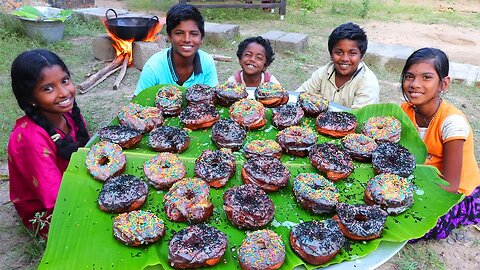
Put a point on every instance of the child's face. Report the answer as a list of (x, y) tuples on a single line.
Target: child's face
[(345, 57), (186, 38), (253, 59), (55, 92), (421, 83)]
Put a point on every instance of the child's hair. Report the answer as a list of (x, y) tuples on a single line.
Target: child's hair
[(260, 40), (438, 58), (184, 12), (348, 31), (26, 72)]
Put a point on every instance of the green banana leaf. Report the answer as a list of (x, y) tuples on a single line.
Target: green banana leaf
[(35, 14), (81, 235)]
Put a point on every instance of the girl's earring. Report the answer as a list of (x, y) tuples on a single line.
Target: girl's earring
[(34, 105)]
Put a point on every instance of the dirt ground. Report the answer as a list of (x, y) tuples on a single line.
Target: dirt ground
[(458, 251)]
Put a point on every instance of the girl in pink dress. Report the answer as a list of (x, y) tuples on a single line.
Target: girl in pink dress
[(43, 140)]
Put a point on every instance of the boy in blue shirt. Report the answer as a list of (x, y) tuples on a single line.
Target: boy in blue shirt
[(183, 64)]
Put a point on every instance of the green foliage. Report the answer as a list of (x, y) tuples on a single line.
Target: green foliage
[(358, 8), (416, 256), (160, 5)]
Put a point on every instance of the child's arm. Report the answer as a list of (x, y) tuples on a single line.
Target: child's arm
[(452, 164)]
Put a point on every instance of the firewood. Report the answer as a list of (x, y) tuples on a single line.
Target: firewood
[(123, 70), (87, 84), (222, 58)]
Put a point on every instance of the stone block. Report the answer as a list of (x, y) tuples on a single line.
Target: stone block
[(215, 32), (102, 48), (294, 42), (142, 51), (273, 36)]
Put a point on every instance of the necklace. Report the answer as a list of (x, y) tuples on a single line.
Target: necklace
[(426, 121)]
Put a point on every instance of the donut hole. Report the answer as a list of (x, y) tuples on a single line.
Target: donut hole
[(261, 244), (103, 160), (360, 217), (318, 184), (166, 165), (190, 195)]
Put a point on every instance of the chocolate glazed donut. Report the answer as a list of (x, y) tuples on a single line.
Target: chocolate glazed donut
[(336, 124), (268, 173), (360, 221), (197, 246), (199, 116), (287, 115), (226, 133), (200, 93), (316, 242), (215, 167), (168, 139), (296, 140), (248, 207), (122, 193), (393, 158), (328, 158), (124, 136)]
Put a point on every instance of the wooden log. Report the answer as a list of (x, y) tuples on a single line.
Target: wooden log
[(222, 58), (123, 70), (100, 80), (87, 84)]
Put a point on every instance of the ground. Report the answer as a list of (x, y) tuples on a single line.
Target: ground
[(458, 251)]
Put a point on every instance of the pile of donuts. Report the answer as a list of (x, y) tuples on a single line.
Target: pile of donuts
[(248, 206)]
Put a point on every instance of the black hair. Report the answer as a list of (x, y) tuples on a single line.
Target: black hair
[(184, 12), (438, 58), (26, 72), (260, 40), (348, 31)]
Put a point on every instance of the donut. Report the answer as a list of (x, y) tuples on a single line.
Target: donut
[(188, 200), (249, 114), (393, 158), (391, 192), (265, 148), (360, 221), (124, 136), (315, 193), (286, 115), (359, 146), (296, 140), (169, 100), (104, 160), (122, 193), (268, 173), (336, 124), (139, 117), (228, 93), (331, 160), (271, 94), (200, 93), (383, 128), (317, 242), (199, 116), (195, 246), (163, 170), (168, 139), (312, 104), (261, 250), (226, 133), (137, 228), (215, 167), (248, 207)]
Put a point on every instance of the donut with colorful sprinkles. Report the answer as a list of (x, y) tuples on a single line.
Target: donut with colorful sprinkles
[(104, 160), (226, 133), (137, 228), (199, 116), (124, 136), (169, 100), (188, 200), (312, 104), (200, 93), (391, 192), (268, 173), (228, 93), (359, 146), (317, 242), (168, 139), (360, 221), (271, 94), (141, 118), (248, 207), (266, 148), (315, 193), (286, 115), (383, 128), (122, 193), (393, 158), (331, 160), (336, 124), (297, 140), (249, 114), (261, 250), (163, 170), (215, 167), (195, 246)]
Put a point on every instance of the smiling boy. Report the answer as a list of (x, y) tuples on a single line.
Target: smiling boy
[(346, 80), (183, 64)]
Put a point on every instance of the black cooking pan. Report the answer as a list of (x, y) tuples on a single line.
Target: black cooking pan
[(130, 27)]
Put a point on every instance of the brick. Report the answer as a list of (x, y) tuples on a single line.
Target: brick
[(102, 48), (273, 36), (215, 32), (295, 42)]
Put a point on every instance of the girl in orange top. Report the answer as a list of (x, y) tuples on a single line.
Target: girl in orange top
[(446, 133)]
